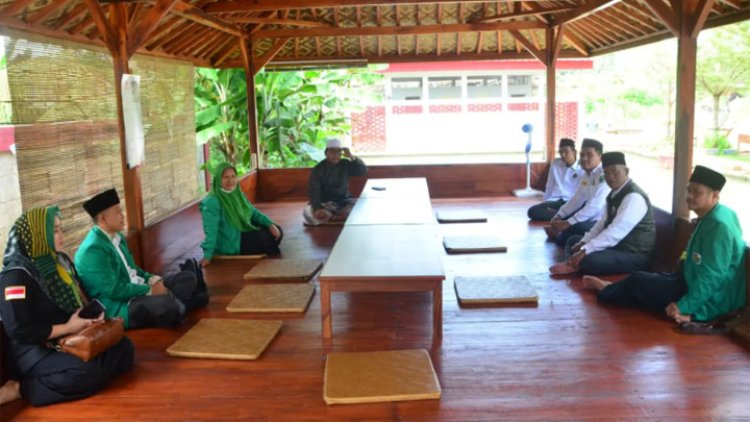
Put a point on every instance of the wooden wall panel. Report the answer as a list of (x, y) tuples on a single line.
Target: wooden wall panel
[(444, 181), (170, 238), (249, 185)]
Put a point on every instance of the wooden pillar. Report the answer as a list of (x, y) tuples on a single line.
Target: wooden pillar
[(690, 16), (551, 92), (246, 47), (131, 177)]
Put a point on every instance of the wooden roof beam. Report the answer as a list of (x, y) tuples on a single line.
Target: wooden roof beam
[(576, 42), (396, 30), (703, 8), (139, 30), (263, 60), (223, 54), (582, 11), (16, 7), (213, 50), (664, 13), (197, 15), (537, 12), (529, 46), (235, 6), (102, 25), (71, 16), (43, 13), (279, 21)]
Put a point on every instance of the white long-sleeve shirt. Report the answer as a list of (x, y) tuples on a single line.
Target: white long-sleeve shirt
[(631, 211), (562, 180), (589, 200)]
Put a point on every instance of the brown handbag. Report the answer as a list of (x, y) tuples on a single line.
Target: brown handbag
[(93, 340)]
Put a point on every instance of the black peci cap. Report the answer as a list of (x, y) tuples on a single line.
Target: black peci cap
[(613, 158), (101, 202), (708, 177)]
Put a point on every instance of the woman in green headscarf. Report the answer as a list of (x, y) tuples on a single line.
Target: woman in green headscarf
[(232, 225), (41, 299)]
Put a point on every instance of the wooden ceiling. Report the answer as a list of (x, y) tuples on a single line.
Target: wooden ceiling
[(210, 33)]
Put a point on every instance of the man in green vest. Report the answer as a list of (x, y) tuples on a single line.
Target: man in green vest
[(710, 280), (109, 273)]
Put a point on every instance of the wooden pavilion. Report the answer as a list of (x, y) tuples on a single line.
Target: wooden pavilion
[(703, 377)]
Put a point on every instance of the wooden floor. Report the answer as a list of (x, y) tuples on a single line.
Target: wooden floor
[(567, 358)]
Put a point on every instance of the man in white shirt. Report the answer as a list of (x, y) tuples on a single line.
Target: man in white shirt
[(584, 209), (562, 182), (624, 238)]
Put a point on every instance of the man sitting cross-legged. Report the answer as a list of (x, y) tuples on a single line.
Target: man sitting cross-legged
[(583, 210), (623, 239), (710, 280), (329, 185), (109, 273), (562, 181)]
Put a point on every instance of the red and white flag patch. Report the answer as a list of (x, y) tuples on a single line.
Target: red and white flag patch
[(15, 292)]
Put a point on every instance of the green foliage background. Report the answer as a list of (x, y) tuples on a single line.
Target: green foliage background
[(296, 112)]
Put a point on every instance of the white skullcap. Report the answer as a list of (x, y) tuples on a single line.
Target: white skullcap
[(334, 143)]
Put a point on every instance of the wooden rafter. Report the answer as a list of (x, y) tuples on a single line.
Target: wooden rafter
[(664, 13), (257, 5), (278, 21), (607, 28), (631, 22), (534, 40), (620, 25), (646, 15), (16, 7), (582, 11), (734, 4), (575, 41), (43, 13), (703, 8), (499, 42), (584, 33), (140, 30), (169, 38), (102, 24), (225, 52), (396, 30), (163, 30), (71, 16), (529, 46), (192, 48), (263, 60), (513, 15), (82, 25), (190, 12), (200, 48), (214, 50), (182, 43)]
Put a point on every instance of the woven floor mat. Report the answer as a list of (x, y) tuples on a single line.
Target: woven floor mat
[(461, 216), (473, 244), (284, 269), (370, 377), (272, 298), (493, 290), (239, 339)]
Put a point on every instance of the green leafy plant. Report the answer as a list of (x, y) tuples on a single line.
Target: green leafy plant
[(716, 141), (296, 112)]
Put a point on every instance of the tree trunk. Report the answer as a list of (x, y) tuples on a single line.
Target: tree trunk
[(717, 98)]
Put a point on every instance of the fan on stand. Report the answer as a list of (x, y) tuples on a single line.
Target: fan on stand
[(528, 192)]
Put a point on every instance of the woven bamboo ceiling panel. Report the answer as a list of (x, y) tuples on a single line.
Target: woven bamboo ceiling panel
[(211, 33)]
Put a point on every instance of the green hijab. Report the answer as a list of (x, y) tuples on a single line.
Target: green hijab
[(235, 205), (31, 247)]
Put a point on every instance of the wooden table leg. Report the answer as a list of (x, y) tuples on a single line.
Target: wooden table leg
[(437, 310), (325, 311)]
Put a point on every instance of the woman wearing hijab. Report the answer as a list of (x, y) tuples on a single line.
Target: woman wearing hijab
[(40, 303), (231, 224)]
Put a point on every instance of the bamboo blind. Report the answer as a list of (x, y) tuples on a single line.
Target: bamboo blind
[(64, 108)]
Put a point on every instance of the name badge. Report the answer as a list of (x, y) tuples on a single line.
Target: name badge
[(697, 258)]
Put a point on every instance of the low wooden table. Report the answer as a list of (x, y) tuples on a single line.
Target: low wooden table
[(391, 211), (384, 258), (406, 187)]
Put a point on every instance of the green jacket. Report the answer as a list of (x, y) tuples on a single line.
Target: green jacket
[(222, 238), (714, 267), (105, 276)]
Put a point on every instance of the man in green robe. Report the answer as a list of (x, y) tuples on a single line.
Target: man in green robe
[(109, 273), (710, 281)]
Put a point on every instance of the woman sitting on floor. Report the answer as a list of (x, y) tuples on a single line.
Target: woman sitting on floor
[(231, 224), (41, 300)]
